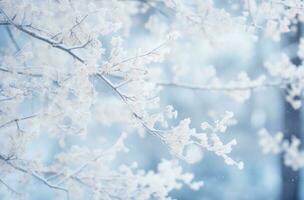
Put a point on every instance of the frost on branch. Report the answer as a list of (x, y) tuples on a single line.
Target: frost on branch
[(293, 156), (182, 137), (289, 75), (95, 167), (275, 17), (73, 63), (240, 89)]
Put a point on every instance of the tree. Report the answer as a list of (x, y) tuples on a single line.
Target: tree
[(291, 178), (68, 64)]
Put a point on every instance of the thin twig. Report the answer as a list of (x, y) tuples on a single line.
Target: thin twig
[(221, 87), (36, 176), (53, 43), (9, 187), (124, 99), (17, 120), (141, 55), (21, 73), (10, 34), (78, 170)]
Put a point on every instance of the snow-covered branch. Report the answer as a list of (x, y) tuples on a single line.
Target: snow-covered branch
[(249, 86), (62, 59), (276, 144)]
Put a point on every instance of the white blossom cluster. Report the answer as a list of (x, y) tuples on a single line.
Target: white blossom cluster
[(272, 18), (182, 137), (69, 63), (276, 144), (290, 76), (275, 16), (204, 19), (93, 169)]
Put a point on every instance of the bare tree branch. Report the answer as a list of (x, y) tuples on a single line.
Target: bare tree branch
[(124, 99), (36, 176), (53, 43), (79, 169), (17, 120), (9, 187), (10, 34), (21, 73), (57, 45), (236, 87)]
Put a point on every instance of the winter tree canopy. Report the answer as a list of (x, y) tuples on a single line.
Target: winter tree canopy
[(79, 78)]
